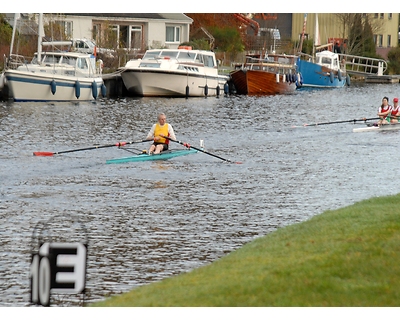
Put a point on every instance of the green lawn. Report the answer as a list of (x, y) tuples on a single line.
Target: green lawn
[(347, 257)]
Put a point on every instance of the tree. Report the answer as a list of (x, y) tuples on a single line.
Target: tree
[(359, 30), (5, 38), (224, 28), (394, 61)]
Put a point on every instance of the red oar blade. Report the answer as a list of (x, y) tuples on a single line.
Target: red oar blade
[(43, 154)]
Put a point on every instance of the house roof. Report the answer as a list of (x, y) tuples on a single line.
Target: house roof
[(166, 16)]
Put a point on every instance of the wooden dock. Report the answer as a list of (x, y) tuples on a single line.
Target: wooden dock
[(382, 79)]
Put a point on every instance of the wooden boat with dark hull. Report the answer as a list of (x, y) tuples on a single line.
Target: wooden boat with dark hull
[(275, 74)]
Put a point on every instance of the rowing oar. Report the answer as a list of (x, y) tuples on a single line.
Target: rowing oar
[(210, 154), (333, 122), (118, 144)]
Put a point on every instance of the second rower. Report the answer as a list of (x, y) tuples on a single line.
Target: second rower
[(395, 114)]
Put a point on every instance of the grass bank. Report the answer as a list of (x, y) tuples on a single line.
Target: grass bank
[(347, 257)]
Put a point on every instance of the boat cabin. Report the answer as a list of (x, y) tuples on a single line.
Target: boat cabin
[(328, 59), (72, 64), (275, 63), (155, 57)]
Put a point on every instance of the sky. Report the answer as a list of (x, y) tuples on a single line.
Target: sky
[(204, 6)]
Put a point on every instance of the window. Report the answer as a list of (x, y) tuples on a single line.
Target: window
[(380, 40), (208, 61), (305, 36), (390, 16), (389, 40), (82, 64), (123, 36), (96, 33), (381, 15), (136, 37), (113, 36), (66, 26), (173, 34)]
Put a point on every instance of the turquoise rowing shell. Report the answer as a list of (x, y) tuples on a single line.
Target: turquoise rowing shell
[(154, 157)]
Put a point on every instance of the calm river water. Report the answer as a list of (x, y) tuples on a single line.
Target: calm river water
[(147, 221)]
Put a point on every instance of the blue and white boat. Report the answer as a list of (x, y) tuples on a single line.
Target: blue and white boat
[(322, 69), (323, 72)]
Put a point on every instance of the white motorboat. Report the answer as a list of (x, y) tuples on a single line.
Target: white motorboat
[(53, 76), (181, 72)]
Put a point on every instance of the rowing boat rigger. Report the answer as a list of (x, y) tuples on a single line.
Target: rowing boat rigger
[(165, 155)]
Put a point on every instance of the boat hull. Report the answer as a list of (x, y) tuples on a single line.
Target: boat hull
[(154, 157), (314, 75), (160, 83), (257, 82), (25, 86), (386, 127)]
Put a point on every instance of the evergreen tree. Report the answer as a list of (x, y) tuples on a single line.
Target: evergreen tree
[(354, 42), (368, 44)]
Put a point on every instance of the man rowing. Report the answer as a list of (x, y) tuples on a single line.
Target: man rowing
[(384, 112), (157, 133)]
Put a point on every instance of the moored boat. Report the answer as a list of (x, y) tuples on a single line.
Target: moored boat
[(322, 69), (53, 76), (323, 72), (181, 72), (274, 74), (165, 155)]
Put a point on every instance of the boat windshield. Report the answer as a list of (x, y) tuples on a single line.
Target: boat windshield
[(151, 54), (69, 60), (50, 59), (160, 54), (82, 63), (187, 56), (171, 54)]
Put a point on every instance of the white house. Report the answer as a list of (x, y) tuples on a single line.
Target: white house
[(132, 31)]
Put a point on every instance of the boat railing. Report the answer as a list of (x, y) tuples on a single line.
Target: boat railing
[(305, 56), (15, 60), (358, 65)]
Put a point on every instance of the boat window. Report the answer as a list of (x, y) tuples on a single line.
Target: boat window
[(69, 60), (81, 44), (199, 58), (82, 63), (151, 54), (51, 59), (187, 56), (325, 60), (172, 54), (149, 65), (208, 61)]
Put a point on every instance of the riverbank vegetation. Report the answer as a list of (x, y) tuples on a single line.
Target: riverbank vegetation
[(343, 258)]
